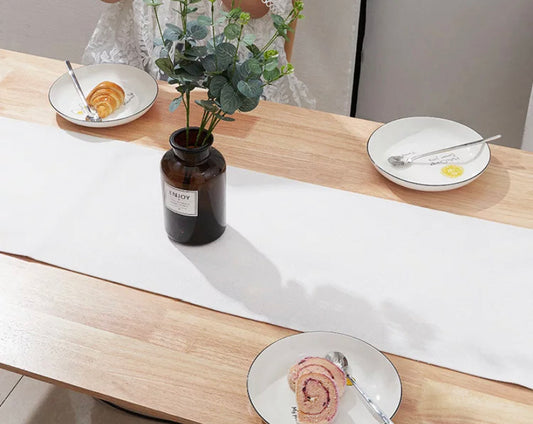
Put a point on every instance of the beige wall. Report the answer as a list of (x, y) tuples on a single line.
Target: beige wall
[(53, 28), (466, 60), (324, 52)]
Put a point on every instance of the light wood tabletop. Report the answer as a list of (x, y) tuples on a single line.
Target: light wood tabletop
[(180, 361)]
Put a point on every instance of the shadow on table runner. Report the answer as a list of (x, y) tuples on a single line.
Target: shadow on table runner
[(236, 268)]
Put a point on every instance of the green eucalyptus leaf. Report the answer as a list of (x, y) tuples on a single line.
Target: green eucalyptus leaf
[(248, 103), (165, 64), (248, 39), (234, 77), (224, 118), (179, 56), (232, 31), (271, 64), (219, 38), (203, 20), (185, 87), (251, 88), (225, 53), (277, 20), (190, 10), (209, 63), (153, 3), (280, 25), (251, 68), (174, 104), (234, 13), (216, 84), (196, 51), (208, 105), (271, 75), (185, 77), (167, 44), (254, 49), (172, 32), (193, 68), (229, 99), (197, 31)]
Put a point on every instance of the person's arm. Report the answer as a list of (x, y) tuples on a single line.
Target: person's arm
[(256, 8)]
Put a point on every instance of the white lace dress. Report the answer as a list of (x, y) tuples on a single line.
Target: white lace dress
[(126, 32)]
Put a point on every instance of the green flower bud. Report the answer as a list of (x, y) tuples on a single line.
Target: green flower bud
[(270, 53), (287, 69), (244, 18)]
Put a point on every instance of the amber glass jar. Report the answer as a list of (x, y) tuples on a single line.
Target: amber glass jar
[(194, 190)]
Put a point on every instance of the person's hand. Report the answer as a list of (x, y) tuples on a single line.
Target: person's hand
[(256, 8)]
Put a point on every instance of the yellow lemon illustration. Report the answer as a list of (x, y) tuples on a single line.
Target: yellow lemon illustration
[(452, 171)]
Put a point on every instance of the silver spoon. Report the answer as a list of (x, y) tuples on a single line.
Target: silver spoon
[(90, 114), (408, 158), (340, 360)]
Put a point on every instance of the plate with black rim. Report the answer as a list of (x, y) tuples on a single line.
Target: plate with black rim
[(275, 402), (140, 90), (415, 135)]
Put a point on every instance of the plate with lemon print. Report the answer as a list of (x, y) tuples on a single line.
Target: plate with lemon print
[(416, 135)]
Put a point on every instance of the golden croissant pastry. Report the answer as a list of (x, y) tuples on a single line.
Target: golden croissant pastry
[(106, 97)]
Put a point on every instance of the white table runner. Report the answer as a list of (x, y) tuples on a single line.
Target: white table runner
[(445, 289)]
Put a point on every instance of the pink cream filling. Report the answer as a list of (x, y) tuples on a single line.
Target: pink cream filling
[(317, 398), (314, 389)]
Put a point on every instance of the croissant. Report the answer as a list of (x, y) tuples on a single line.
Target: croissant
[(106, 97)]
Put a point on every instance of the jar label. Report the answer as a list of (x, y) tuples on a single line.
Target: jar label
[(183, 202)]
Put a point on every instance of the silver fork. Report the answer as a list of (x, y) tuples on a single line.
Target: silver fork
[(90, 114)]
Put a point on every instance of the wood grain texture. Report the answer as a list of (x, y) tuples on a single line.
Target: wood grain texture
[(175, 360)]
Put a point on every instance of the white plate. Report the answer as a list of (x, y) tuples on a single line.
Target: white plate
[(275, 402), (139, 87), (441, 172)]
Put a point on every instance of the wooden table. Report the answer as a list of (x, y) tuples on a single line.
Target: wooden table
[(179, 361)]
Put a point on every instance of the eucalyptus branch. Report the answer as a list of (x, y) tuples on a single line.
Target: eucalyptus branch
[(160, 30), (289, 20), (183, 7), (214, 122), (238, 43), (291, 17), (203, 122), (213, 23), (187, 104), (233, 82), (285, 70)]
